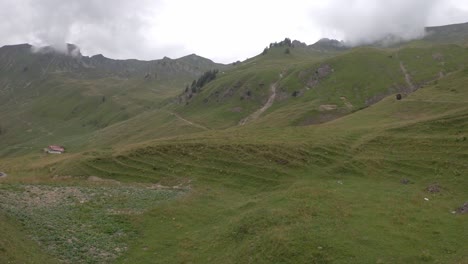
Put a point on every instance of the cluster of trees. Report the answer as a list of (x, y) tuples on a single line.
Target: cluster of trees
[(285, 43), (198, 84)]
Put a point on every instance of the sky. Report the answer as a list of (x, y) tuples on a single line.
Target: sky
[(221, 30)]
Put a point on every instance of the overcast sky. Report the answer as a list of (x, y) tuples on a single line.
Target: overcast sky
[(222, 30)]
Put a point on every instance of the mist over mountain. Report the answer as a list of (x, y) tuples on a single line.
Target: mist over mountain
[(389, 22), (145, 29)]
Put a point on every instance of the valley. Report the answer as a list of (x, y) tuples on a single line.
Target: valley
[(302, 154)]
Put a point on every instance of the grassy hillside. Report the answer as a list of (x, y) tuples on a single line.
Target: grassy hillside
[(16, 246), (332, 168), (380, 185), (314, 89), (52, 98), (457, 34)]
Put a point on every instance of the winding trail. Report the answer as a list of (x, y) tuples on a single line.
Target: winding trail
[(188, 121), (407, 77), (260, 111)]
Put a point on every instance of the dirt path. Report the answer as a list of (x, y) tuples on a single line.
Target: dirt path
[(189, 122), (260, 111), (407, 77)]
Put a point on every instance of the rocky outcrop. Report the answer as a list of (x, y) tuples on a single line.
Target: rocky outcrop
[(328, 45), (320, 73)]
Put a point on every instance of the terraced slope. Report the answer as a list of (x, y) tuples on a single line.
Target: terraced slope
[(372, 180), (301, 195)]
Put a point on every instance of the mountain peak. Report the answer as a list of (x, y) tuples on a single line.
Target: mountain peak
[(326, 44), (299, 44), (73, 50), (68, 49)]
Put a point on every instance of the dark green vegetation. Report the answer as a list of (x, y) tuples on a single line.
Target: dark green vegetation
[(372, 180)]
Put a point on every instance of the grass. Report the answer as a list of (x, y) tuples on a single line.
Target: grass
[(333, 196), (358, 78), (80, 224), (270, 191), (17, 247)]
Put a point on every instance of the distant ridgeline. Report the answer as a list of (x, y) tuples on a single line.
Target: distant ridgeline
[(27, 59)]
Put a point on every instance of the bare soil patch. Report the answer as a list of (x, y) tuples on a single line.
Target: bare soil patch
[(324, 108), (346, 102)]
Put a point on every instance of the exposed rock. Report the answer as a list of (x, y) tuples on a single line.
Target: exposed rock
[(298, 44), (405, 181), (327, 45), (433, 188), (320, 73), (463, 209), (312, 82), (324, 70), (228, 93)]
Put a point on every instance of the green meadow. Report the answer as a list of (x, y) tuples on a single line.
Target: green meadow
[(337, 170)]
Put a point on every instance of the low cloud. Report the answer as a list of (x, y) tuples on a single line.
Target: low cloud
[(116, 28), (222, 30), (362, 21)]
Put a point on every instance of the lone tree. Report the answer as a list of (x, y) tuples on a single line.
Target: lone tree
[(287, 51), (399, 97)]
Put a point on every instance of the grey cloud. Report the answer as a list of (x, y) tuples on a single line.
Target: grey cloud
[(362, 21), (115, 28), (149, 29)]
